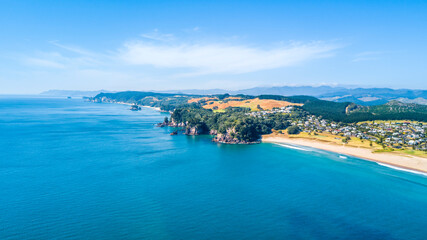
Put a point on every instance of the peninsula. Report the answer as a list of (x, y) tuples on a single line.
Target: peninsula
[(392, 133)]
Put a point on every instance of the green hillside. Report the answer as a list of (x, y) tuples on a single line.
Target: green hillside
[(336, 111), (350, 112)]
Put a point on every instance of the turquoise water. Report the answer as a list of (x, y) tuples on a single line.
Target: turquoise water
[(76, 170)]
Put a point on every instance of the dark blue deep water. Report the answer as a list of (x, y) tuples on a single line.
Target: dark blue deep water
[(76, 170)]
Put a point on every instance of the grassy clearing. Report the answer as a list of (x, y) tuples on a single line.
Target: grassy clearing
[(266, 104), (219, 110), (195, 100)]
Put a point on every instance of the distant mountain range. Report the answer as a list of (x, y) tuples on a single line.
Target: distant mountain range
[(362, 96)]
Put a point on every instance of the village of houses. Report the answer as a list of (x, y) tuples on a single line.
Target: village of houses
[(392, 134)]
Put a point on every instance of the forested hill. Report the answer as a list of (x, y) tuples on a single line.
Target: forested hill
[(350, 112), (337, 111), (170, 101), (165, 101)]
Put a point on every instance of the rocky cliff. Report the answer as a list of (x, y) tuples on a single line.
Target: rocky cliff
[(227, 138), (194, 131)]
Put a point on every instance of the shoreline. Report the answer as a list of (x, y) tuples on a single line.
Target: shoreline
[(409, 163), (406, 162), (154, 108), (130, 104)]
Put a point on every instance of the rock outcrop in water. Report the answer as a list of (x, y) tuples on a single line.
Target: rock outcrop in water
[(187, 130), (135, 108), (172, 123), (193, 131)]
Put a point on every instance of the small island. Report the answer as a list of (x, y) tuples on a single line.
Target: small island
[(135, 107)]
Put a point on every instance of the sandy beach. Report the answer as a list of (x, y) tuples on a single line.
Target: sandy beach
[(394, 159), (154, 108), (130, 104)]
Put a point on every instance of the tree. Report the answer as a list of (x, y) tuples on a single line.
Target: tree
[(345, 140), (294, 130)]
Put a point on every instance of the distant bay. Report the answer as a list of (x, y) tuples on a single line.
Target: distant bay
[(70, 169)]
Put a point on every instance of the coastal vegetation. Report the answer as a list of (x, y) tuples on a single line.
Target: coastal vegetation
[(337, 111), (245, 118), (232, 125), (294, 130), (350, 112)]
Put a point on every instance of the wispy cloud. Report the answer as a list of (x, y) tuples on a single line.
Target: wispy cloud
[(73, 49), (222, 58), (40, 62), (72, 58), (367, 56), (181, 58), (158, 36)]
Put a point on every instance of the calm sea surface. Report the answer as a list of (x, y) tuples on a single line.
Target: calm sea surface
[(76, 170)]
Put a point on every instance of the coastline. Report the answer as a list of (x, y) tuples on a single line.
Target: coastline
[(130, 104), (412, 163), (154, 108), (394, 160)]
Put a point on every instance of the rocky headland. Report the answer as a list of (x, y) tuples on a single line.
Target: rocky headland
[(226, 138)]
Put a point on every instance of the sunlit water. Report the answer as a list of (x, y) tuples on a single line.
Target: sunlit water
[(76, 170)]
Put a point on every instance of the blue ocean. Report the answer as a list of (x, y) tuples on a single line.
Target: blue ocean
[(71, 169)]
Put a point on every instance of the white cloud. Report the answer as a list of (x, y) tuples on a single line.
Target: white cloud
[(367, 56), (172, 58), (65, 60), (222, 58), (39, 62), (73, 49), (156, 35)]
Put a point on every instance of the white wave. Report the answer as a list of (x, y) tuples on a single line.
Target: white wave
[(402, 169), (294, 147)]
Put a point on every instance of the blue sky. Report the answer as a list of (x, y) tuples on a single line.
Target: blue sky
[(159, 45)]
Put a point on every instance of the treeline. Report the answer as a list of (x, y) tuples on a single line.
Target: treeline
[(133, 96), (328, 110), (361, 116), (349, 112), (164, 101), (233, 121)]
